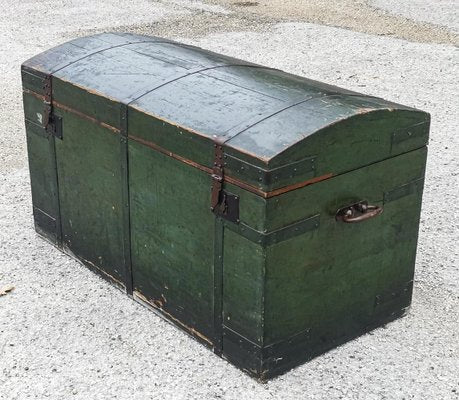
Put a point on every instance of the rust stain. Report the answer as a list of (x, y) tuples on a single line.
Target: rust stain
[(158, 303), (152, 303), (299, 185), (35, 94)]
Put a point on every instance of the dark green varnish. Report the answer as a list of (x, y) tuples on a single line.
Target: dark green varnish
[(127, 190)]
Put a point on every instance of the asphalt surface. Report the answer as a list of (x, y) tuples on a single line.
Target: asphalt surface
[(65, 333)]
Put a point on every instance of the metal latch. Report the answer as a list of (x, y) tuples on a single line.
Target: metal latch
[(222, 203), (228, 207)]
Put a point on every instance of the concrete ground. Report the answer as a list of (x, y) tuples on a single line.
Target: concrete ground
[(65, 333)]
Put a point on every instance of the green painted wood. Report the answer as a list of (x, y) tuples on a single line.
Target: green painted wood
[(171, 137), (243, 286), (279, 235), (68, 53), (32, 80), (252, 208), (172, 231), (33, 108), (87, 102), (298, 204), (323, 280), (129, 186), (362, 137), (124, 177), (217, 276), (43, 181), (90, 194)]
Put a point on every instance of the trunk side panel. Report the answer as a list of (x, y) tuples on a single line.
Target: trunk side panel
[(90, 192), (341, 278), (43, 181)]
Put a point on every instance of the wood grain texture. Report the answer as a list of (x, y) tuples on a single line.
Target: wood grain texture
[(90, 194), (129, 186)]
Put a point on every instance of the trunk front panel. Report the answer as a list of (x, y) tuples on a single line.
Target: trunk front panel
[(172, 232)]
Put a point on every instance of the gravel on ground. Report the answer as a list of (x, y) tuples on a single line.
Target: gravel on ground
[(441, 12)]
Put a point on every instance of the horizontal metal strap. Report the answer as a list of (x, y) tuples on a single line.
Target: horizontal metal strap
[(100, 50), (277, 236), (136, 96), (44, 220), (410, 132), (269, 177), (404, 190), (37, 129)]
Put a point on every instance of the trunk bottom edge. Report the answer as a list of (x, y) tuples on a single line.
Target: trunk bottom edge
[(265, 363), (167, 315)]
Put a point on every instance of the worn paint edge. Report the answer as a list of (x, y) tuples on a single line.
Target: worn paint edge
[(139, 297), (93, 267)]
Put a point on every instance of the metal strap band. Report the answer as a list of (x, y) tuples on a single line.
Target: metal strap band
[(134, 97), (100, 50), (217, 176), (124, 165), (48, 100)]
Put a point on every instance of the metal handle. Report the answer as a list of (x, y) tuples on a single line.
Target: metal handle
[(358, 212)]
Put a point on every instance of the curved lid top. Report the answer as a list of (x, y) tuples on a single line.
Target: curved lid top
[(261, 112)]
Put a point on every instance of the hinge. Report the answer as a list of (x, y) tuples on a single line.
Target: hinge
[(222, 203), (51, 122)]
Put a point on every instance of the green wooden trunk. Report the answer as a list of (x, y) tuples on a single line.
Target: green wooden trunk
[(229, 196)]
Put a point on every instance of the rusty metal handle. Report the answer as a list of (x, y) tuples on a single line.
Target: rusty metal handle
[(358, 212)]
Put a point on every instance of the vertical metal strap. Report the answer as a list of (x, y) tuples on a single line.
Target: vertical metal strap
[(46, 122), (217, 185), (124, 156), (53, 152), (218, 286), (217, 176), (48, 100)]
